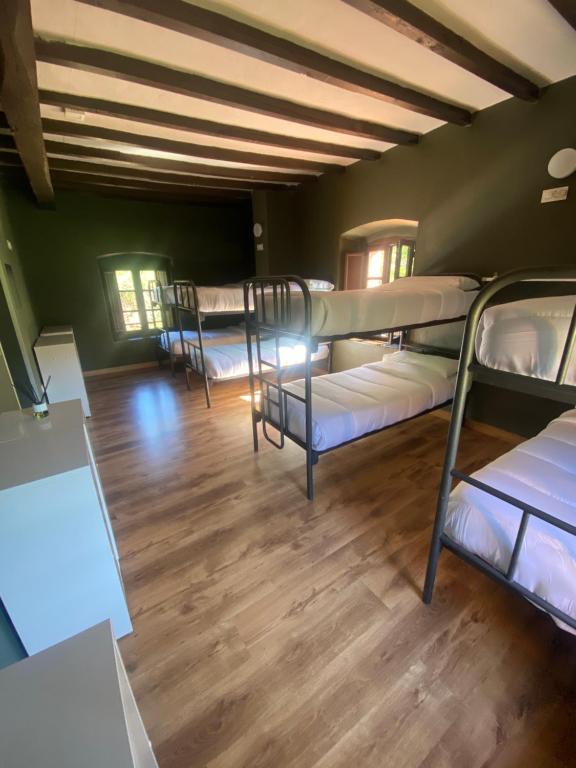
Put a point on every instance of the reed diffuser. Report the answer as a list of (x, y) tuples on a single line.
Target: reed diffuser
[(39, 403)]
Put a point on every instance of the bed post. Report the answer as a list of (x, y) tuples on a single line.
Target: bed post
[(459, 403), (198, 329), (247, 288)]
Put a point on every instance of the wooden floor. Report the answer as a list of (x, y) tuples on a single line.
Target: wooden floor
[(270, 631)]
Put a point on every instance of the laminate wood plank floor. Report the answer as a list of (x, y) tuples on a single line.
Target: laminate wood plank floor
[(274, 632)]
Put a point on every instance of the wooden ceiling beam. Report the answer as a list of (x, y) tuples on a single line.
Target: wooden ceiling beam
[(197, 125), (158, 186), (188, 84), (54, 147), (85, 130), (566, 9), (246, 39), (19, 93), (151, 195), (410, 21), (148, 174)]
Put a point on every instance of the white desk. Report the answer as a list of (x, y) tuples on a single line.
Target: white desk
[(72, 706), (59, 572)]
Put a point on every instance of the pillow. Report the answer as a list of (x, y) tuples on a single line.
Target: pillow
[(319, 285), (450, 281), (443, 366)]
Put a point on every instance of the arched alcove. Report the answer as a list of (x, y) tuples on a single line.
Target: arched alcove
[(377, 252)]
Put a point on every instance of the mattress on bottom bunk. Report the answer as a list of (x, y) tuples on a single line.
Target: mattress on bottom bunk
[(527, 337), (217, 336), (349, 404), (230, 361), (540, 472)]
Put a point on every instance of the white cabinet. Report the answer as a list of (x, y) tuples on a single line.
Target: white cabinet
[(59, 571), (57, 357), (72, 706)]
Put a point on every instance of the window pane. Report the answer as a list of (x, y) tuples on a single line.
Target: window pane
[(404, 260), (128, 301), (132, 320), (374, 283), (375, 263), (393, 251), (146, 277), (124, 280)]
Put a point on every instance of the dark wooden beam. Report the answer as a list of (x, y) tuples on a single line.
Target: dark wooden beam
[(19, 93), (567, 9), (233, 35), (147, 174), (164, 164), (188, 84), (410, 21), (148, 195), (197, 125), (85, 130), (157, 186)]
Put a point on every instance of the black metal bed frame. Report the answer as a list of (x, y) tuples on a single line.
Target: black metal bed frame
[(183, 290), (470, 370), (268, 314)]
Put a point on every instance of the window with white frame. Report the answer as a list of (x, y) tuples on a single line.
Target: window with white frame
[(131, 295)]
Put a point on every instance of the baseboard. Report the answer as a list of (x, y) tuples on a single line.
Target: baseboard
[(119, 369), (485, 429)]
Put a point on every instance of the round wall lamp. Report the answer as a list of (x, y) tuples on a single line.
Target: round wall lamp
[(562, 164), (257, 229)]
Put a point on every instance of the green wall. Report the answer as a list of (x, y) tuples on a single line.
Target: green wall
[(475, 192), (18, 323), (59, 248)]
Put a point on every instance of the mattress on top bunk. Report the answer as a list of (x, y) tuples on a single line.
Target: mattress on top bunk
[(229, 335), (230, 361), (409, 301), (349, 404), (540, 472), (219, 299), (527, 337)]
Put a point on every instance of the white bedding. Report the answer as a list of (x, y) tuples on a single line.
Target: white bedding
[(231, 335), (230, 361), (527, 337), (349, 404), (218, 299), (541, 472), (409, 301)]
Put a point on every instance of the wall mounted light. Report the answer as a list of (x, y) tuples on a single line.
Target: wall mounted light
[(562, 164)]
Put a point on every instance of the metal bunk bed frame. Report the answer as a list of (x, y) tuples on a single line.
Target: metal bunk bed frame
[(471, 370), (186, 300), (271, 318)]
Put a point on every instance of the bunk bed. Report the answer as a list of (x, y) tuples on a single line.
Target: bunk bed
[(515, 519), (191, 346), (347, 406)]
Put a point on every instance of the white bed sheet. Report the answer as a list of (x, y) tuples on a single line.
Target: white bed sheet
[(541, 472), (230, 361), (230, 335), (218, 299), (404, 302), (349, 404), (527, 337)]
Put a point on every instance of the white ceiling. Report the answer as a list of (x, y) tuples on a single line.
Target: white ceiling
[(528, 35)]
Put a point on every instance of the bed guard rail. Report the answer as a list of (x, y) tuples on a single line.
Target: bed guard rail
[(469, 369), (269, 316)]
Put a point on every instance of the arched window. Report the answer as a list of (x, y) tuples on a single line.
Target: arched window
[(129, 282)]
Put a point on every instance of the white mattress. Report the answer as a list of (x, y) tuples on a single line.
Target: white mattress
[(218, 299), (527, 337), (230, 361), (228, 335), (404, 302), (541, 472), (349, 404)]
